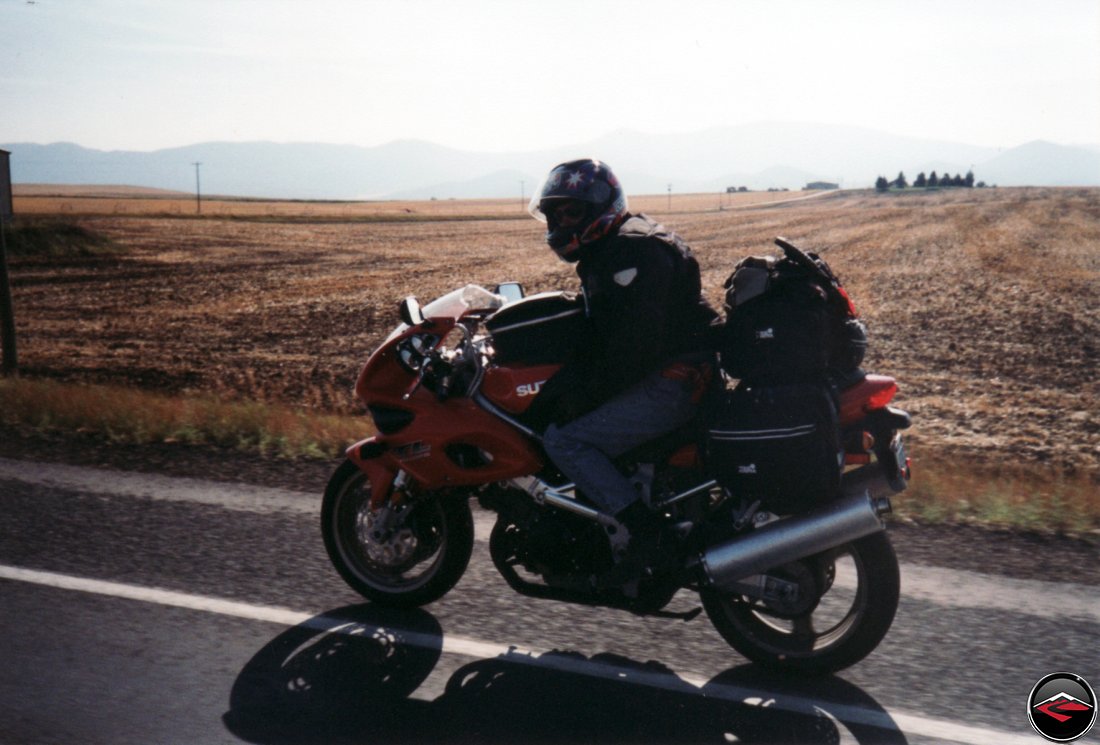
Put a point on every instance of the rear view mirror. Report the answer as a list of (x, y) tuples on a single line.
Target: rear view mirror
[(410, 312), (510, 291)]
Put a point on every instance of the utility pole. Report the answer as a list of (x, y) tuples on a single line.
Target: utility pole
[(670, 197), (198, 192), (7, 317)]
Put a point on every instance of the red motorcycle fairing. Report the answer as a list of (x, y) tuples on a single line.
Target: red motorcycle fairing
[(438, 443), (381, 472), (458, 444), (514, 388)]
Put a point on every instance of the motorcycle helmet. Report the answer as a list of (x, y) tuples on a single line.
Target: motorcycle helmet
[(581, 201)]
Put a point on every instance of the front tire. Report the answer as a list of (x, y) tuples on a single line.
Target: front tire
[(415, 562), (860, 598)]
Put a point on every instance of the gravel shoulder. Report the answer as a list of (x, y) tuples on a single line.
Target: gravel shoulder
[(1022, 555)]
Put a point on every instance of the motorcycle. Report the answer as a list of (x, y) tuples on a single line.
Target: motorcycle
[(812, 592)]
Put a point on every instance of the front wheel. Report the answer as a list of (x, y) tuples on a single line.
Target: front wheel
[(858, 589), (400, 557)]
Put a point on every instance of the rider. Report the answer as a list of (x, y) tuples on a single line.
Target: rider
[(642, 370)]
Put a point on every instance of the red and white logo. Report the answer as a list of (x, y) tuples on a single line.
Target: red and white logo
[(1062, 707)]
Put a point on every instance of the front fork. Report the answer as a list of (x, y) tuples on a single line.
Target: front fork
[(382, 527), (387, 513)]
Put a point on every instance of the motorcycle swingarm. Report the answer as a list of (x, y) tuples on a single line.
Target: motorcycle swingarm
[(766, 587)]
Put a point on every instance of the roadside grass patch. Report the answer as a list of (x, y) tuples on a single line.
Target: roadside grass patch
[(1020, 497), (53, 237), (136, 416)]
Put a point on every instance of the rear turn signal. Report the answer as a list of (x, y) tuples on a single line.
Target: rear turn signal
[(857, 448)]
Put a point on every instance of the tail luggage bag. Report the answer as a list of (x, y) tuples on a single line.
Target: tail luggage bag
[(787, 323), (779, 445)]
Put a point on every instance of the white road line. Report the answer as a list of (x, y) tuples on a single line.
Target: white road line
[(231, 496), (908, 723), (956, 588), (141, 485)]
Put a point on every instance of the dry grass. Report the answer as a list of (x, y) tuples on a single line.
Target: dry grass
[(116, 200), (949, 487), (132, 415)]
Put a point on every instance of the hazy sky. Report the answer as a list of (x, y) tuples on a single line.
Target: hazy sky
[(509, 75)]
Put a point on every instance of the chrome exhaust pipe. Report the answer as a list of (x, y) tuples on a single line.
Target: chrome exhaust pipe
[(855, 514)]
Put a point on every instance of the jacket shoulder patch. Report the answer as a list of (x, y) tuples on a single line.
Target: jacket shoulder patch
[(626, 276)]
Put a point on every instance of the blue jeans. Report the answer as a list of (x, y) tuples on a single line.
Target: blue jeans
[(584, 448)]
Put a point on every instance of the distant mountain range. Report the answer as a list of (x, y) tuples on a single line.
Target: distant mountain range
[(757, 156)]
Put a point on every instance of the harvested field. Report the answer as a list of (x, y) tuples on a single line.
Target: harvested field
[(82, 201), (984, 303)]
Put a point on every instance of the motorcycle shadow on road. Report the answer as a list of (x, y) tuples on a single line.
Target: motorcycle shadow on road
[(347, 676)]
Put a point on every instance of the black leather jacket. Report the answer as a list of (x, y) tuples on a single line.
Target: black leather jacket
[(643, 299)]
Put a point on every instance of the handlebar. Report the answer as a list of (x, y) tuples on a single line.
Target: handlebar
[(438, 368)]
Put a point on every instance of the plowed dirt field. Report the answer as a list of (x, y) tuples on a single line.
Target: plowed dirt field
[(984, 303)]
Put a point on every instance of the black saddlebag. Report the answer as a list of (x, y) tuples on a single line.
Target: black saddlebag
[(540, 329), (777, 444)]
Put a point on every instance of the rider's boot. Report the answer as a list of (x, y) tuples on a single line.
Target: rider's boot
[(644, 529)]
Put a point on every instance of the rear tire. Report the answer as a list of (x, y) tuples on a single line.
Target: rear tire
[(852, 617), (416, 563)]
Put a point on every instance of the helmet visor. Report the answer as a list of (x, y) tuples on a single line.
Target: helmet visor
[(535, 207)]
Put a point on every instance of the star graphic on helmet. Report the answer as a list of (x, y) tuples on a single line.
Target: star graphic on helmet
[(574, 180)]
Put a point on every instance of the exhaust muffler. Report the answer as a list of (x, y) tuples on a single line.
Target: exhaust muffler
[(855, 514)]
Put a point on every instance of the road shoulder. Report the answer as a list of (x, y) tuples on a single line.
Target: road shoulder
[(1021, 555)]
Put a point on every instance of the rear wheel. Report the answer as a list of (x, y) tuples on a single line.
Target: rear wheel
[(858, 588), (402, 556)]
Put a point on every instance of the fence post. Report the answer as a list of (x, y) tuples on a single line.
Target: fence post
[(7, 319)]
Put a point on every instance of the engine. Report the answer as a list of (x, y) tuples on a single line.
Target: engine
[(561, 547)]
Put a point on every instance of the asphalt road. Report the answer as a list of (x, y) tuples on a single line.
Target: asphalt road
[(145, 609)]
